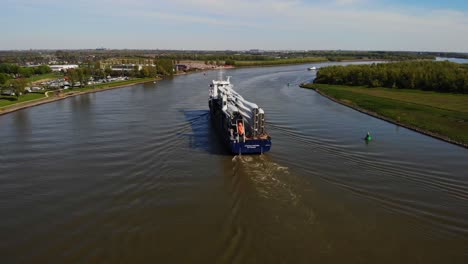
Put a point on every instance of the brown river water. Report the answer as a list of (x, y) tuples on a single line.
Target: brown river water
[(138, 175)]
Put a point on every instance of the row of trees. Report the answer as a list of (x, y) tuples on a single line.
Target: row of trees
[(79, 56), (15, 85), (370, 55), (94, 69), (271, 55), (424, 75), (165, 66), (214, 57), (219, 63), (22, 57), (4, 78), (18, 85), (8, 68), (10, 72), (87, 70), (81, 75), (14, 78)]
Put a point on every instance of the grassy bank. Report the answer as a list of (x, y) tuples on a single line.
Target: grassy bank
[(438, 114), (46, 76), (280, 61), (112, 84), (7, 103)]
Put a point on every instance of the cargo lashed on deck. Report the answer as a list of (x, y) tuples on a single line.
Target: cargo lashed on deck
[(240, 122)]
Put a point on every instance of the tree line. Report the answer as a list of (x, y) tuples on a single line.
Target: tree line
[(8, 68), (441, 76), (10, 73), (87, 70), (274, 55), (15, 78)]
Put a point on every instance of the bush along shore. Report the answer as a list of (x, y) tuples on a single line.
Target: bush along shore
[(440, 115), (443, 76)]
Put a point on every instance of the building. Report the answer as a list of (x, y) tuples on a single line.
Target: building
[(126, 67), (63, 67), (181, 67)]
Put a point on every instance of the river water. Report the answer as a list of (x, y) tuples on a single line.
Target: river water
[(457, 60), (137, 175)]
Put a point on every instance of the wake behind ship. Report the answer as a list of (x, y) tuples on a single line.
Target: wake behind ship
[(240, 122)]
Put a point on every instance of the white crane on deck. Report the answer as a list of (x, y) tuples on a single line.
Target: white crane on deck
[(233, 103)]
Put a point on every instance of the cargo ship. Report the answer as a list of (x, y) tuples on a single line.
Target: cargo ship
[(240, 122)]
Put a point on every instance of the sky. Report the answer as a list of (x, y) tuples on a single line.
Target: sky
[(414, 25)]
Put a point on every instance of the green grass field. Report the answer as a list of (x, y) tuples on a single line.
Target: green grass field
[(11, 100), (440, 113), (52, 75)]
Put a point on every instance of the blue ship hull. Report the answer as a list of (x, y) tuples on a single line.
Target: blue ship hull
[(250, 146)]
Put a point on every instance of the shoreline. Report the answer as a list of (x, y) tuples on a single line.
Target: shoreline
[(275, 65), (50, 99), (304, 63), (283, 64), (387, 119)]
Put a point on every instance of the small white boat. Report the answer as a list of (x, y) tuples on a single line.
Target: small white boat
[(312, 68)]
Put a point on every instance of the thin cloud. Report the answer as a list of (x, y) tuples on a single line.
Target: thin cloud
[(318, 24), (349, 2)]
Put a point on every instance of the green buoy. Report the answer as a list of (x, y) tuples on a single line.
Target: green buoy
[(368, 137)]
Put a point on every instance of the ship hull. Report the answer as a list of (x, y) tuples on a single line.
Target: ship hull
[(250, 146)]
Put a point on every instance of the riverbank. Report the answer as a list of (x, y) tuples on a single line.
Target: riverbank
[(442, 116), (292, 61), (73, 92), (269, 63), (317, 63)]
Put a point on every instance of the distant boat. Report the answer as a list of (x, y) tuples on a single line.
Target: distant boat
[(312, 68)]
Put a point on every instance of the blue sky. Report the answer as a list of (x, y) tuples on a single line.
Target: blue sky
[(238, 25)]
